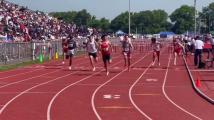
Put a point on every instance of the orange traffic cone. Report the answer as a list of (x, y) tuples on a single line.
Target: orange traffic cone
[(198, 82)]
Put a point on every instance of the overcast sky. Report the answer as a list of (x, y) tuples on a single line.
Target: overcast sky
[(108, 8)]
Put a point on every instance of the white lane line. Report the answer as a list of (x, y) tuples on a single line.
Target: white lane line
[(167, 97), (57, 94), (19, 74), (94, 94), (9, 102), (107, 96), (25, 72), (24, 92), (14, 98), (151, 80), (12, 83), (131, 89), (2, 93), (130, 93), (202, 70)]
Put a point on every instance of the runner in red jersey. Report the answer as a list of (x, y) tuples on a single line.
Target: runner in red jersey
[(105, 47), (156, 46), (177, 49)]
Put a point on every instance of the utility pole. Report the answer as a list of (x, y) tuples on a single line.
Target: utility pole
[(195, 17)]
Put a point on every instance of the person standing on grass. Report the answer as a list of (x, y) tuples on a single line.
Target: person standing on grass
[(156, 46), (199, 44), (106, 49), (127, 47), (92, 48), (72, 45)]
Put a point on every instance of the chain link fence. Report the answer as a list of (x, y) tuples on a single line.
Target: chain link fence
[(18, 52), (14, 52)]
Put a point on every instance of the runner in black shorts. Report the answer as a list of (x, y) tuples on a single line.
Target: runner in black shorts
[(91, 47), (105, 47), (72, 45), (94, 55), (127, 48)]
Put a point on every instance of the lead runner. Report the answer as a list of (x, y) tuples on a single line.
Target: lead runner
[(106, 49)]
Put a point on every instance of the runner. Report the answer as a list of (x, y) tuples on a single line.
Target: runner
[(127, 47), (72, 45), (105, 47), (156, 46), (91, 47), (64, 49), (177, 49)]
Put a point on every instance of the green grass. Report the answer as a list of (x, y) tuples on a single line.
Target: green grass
[(28, 63), (19, 65)]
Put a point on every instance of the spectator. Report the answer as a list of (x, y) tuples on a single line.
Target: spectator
[(198, 51), (33, 25)]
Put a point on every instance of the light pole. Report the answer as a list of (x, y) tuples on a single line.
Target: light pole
[(209, 22), (129, 17), (195, 17)]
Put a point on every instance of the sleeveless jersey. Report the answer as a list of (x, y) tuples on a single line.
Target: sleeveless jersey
[(126, 46), (91, 47), (105, 47), (156, 46)]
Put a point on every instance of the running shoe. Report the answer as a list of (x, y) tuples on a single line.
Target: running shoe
[(94, 69), (107, 73), (69, 68)]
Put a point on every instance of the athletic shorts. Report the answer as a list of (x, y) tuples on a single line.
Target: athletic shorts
[(106, 58), (94, 55), (157, 52), (126, 53), (65, 50), (177, 51), (70, 53)]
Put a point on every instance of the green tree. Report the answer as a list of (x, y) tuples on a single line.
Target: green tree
[(183, 19), (105, 25), (120, 22), (82, 18), (94, 23), (148, 21)]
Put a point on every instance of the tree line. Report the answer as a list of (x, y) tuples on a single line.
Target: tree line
[(146, 22)]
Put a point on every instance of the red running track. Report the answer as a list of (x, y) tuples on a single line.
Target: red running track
[(146, 92)]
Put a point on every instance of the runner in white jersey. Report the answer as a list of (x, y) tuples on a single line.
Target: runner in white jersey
[(127, 48), (91, 47), (156, 46)]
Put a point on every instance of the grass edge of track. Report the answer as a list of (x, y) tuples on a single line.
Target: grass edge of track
[(6, 67)]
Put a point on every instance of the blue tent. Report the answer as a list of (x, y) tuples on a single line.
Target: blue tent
[(119, 33), (166, 34)]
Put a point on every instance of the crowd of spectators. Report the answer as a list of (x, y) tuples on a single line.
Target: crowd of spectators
[(202, 47), (20, 24)]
